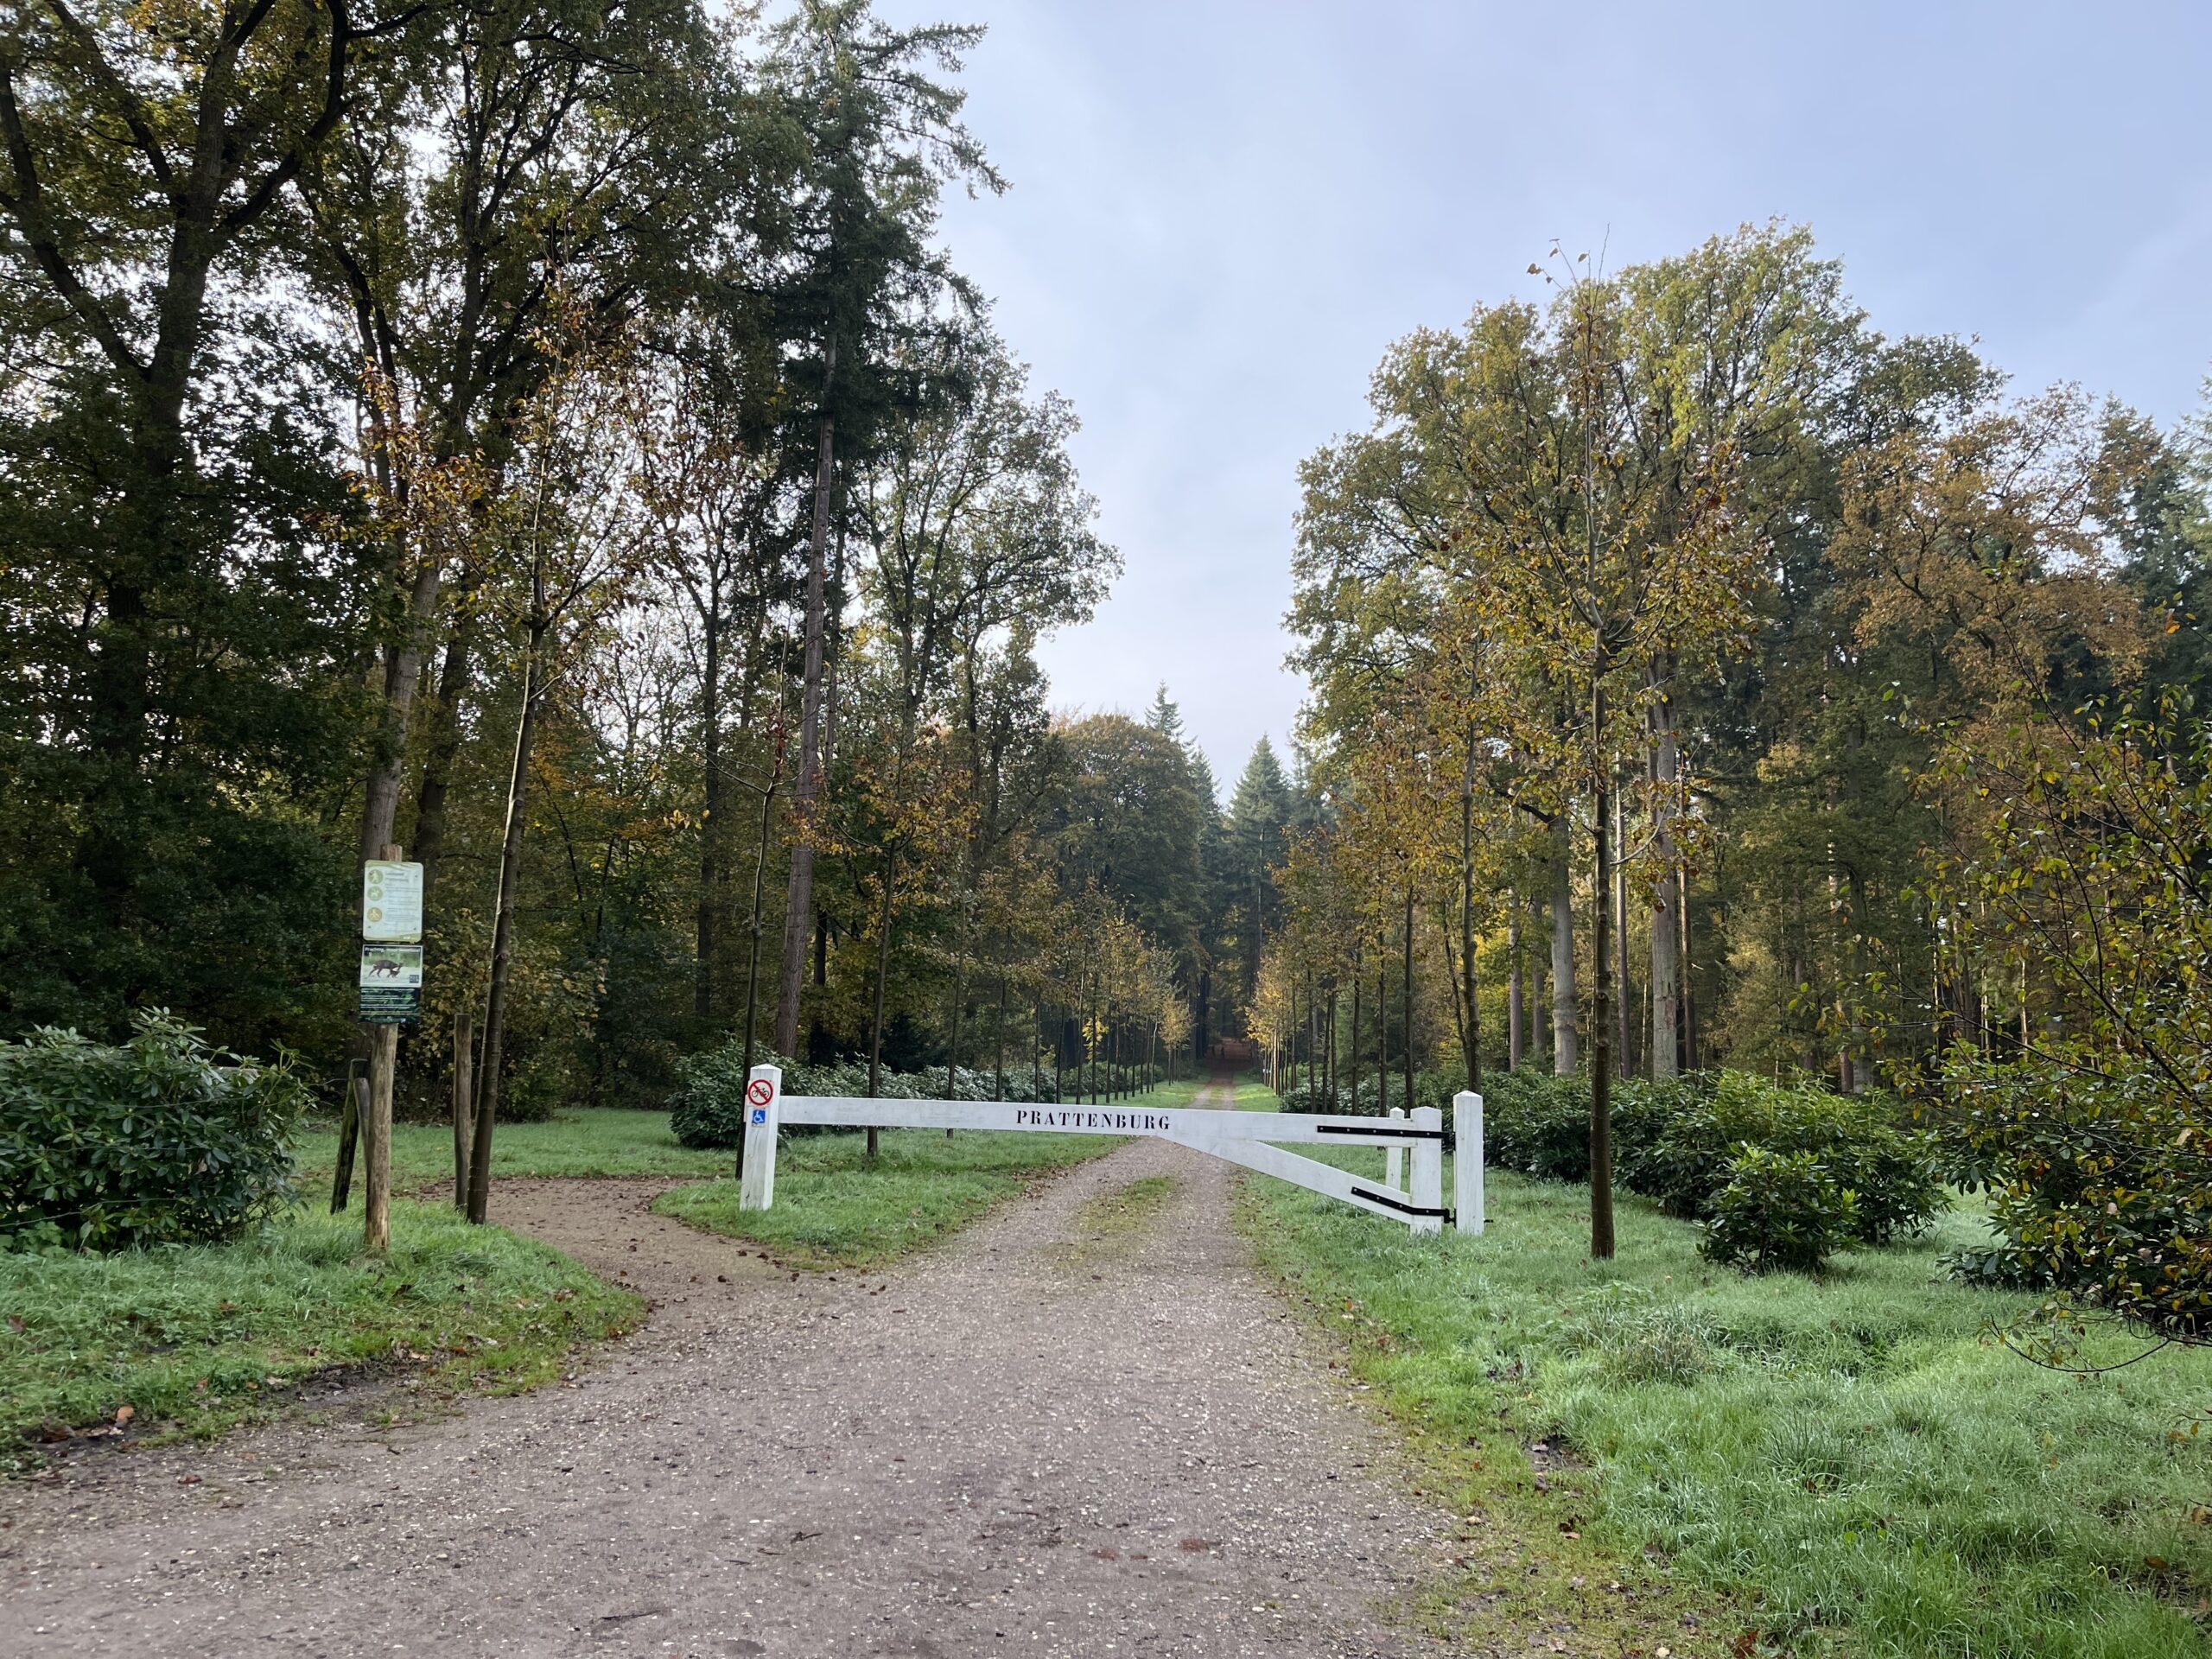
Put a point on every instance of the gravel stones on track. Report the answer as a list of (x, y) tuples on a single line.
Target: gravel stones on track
[(1044, 1439)]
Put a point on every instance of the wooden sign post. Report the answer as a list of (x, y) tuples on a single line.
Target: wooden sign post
[(392, 994)]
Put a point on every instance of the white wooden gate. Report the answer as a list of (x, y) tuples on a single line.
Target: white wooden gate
[(1251, 1139)]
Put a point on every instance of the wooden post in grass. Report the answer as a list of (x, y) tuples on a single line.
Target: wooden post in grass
[(376, 1127), (464, 1105), (349, 1135), (1467, 1159), (1394, 1158)]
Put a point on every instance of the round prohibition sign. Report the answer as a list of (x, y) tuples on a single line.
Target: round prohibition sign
[(760, 1091)]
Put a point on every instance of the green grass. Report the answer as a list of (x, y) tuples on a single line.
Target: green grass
[(833, 1209), (592, 1141), (1853, 1461), (1179, 1091), (194, 1339)]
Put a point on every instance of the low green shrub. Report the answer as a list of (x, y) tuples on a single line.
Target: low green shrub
[(1676, 1141), (1898, 1177), (1538, 1124), (706, 1111), (2096, 1177), (1368, 1101), (1779, 1210), (161, 1140), (1859, 1138), (1645, 1116)]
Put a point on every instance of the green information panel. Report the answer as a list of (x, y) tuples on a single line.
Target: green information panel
[(391, 983)]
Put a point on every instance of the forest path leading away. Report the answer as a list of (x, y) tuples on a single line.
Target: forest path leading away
[(1082, 1429)]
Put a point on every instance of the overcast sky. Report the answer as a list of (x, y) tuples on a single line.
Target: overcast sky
[(1222, 213)]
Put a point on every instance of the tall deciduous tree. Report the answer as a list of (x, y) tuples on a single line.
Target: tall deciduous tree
[(880, 139)]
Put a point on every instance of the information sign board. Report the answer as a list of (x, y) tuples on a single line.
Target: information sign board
[(391, 901), (391, 983)]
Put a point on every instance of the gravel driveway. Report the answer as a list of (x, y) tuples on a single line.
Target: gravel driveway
[(1053, 1437)]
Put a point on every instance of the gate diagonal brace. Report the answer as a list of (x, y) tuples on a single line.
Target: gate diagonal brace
[(1315, 1176), (1391, 1197)]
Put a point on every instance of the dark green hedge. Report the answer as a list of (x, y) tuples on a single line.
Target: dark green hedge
[(1680, 1142), (160, 1139)]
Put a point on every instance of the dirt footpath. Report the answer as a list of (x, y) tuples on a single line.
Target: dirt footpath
[(1070, 1433)]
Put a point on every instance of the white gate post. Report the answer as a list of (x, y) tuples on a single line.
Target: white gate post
[(756, 1187), (1428, 1171), (1467, 1159), (1394, 1160)]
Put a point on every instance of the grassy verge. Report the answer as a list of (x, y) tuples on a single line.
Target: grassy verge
[(1181, 1091), (196, 1339), (1851, 1460), (594, 1140), (833, 1209), (1254, 1096)]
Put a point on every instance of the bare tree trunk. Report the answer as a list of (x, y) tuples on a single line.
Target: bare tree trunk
[(464, 1105), (959, 991), (882, 976), (998, 1088), (1472, 1036), (706, 946), (1329, 1074), (1513, 1015), (376, 1124), (1407, 995), (1689, 1003), (403, 674), (1601, 1057), (1382, 1025), (1566, 1014), (798, 894), (1666, 901), (375, 1138), (432, 793), (759, 877), (1357, 985), (503, 937), (379, 1044), (1625, 1019), (1540, 1002)]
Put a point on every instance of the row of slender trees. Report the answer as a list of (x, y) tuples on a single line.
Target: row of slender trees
[(1665, 643), (548, 437)]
